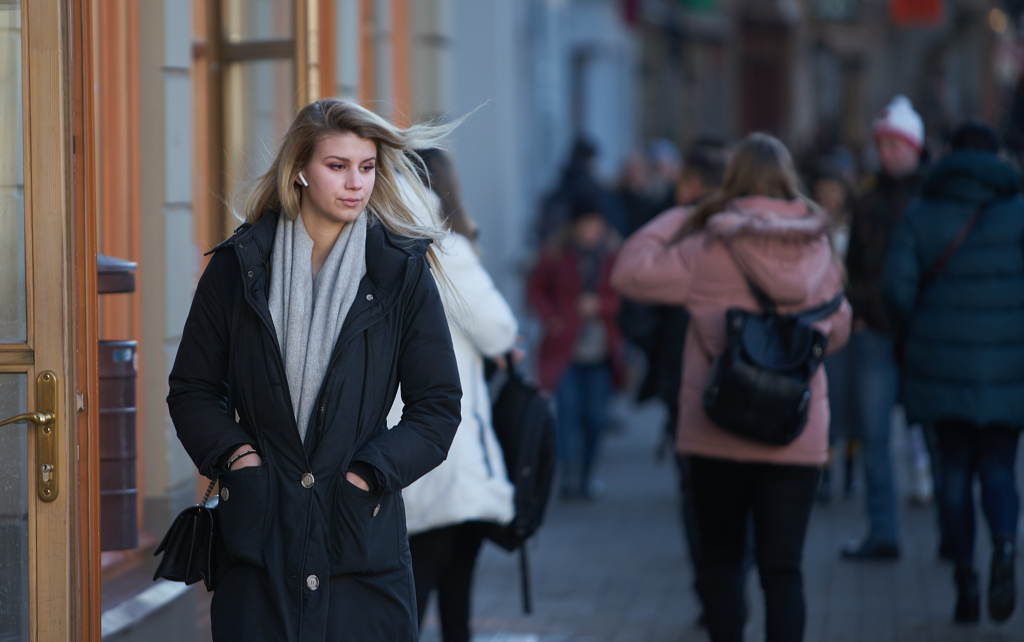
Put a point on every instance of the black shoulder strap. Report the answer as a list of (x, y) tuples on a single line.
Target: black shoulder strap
[(823, 311), (951, 249)]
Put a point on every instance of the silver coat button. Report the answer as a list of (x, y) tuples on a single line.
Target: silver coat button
[(376, 509), (312, 582), (369, 297), (307, 482), (224, 494)]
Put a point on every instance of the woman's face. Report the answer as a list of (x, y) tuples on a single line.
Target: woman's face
[(340, 176)]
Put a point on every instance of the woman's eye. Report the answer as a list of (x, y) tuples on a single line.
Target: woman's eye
[(367, 168), (336, 167)]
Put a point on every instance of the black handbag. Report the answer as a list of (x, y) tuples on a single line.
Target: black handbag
[(760, 387), (188, 546)]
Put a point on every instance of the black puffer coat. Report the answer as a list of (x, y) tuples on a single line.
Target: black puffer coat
[(305, 554)]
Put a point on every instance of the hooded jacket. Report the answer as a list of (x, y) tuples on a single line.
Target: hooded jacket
[(304, 554), (472, 484), (965, 342), (786, 252)]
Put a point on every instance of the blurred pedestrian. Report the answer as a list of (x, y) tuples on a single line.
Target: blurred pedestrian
[(581, 353), (703, 169), (831, 183), (634, 192), (955, 280), (667, 163), (899, 135), (447, 509), (758, 229), (301, 328), (579, 177)]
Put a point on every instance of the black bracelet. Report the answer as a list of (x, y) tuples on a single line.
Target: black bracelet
[(239, 456)]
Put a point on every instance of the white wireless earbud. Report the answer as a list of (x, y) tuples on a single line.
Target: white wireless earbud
[(303, 179)]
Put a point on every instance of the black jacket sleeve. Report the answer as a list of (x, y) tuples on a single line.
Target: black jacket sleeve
[(198, 398), (431, 392)]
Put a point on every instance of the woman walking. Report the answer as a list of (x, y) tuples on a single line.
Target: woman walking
[(302, 327), (447, 509), (954, 279), (759, 229)]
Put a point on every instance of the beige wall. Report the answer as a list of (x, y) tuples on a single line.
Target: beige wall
[(168, 251)]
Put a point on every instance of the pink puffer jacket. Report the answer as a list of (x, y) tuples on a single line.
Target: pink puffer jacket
[(785, 251)]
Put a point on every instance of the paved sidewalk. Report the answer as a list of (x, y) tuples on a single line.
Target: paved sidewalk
[(616, 569)]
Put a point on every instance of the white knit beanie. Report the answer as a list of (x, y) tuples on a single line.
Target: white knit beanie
[(899, 119)]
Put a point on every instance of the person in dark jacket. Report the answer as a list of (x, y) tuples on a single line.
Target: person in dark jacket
[(899, 134), (581, 354), (303, 326), (964, 367)]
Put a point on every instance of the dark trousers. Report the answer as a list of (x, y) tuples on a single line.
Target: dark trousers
[(582, 417), (444, 559), (779, 497), (986, 452)]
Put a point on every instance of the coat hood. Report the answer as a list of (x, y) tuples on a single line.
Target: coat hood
[(972, 176), (781, 246)]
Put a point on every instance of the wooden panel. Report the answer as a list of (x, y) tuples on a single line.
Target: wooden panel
[(48, 153), (328, 49), (401, 79), (367, 15)]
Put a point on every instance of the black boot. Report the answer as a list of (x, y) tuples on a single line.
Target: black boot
[(1001, 590), (968, 597)]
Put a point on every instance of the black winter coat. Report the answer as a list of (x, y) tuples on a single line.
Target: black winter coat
[(305, 555)]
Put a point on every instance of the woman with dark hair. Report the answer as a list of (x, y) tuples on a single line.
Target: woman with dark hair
[(448, 509), (303, 326), (758, 230)]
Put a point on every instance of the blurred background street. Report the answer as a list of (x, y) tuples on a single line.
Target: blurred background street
[(616, 569)]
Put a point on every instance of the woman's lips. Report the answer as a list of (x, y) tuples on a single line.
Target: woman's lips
[(350, 202)]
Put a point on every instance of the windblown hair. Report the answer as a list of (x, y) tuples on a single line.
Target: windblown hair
[(396, 158), (760, 166), (439, 175)]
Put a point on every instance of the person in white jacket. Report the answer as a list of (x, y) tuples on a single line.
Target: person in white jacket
[(447, 508)]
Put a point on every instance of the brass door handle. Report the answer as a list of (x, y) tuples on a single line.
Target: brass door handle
[(45, 420), (38, 418)]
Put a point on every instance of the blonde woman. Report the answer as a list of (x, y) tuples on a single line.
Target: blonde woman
[(757, 229), (302, 327)]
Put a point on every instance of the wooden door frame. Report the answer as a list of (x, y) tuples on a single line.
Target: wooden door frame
[(50, 233), (84, 214)]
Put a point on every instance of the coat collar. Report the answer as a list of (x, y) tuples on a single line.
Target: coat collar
[(386, 253)]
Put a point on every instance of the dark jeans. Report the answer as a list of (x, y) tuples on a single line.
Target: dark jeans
[(779, 497), (990, 453), (582, 399), (444, 559)]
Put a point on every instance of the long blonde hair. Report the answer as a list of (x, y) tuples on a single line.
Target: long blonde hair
[(396, 156), (760, 166)]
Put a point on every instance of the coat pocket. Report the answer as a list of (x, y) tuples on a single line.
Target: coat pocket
[(366, 531), (242, 511)]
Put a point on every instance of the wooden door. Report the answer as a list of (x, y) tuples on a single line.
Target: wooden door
[(39, 544)]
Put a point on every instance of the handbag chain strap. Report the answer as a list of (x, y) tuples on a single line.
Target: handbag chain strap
[(208, 491)]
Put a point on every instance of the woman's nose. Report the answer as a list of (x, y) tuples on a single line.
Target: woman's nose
[(354, 182)]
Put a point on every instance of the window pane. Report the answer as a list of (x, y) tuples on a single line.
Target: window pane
[(258, 20), (13, 321), (13, 510), (260, 107)]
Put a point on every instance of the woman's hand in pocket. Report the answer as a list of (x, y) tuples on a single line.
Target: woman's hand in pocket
[(357, 481), (252, 459)]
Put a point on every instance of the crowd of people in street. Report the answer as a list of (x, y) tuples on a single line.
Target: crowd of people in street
[(930, 257), (778, 324)]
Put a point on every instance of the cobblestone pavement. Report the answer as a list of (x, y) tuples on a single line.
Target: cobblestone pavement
[(616, 570)]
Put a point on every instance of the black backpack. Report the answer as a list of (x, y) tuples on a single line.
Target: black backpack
[(760, 387), (525, 427)]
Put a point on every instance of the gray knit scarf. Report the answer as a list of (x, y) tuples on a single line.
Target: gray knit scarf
[(308, 313)]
